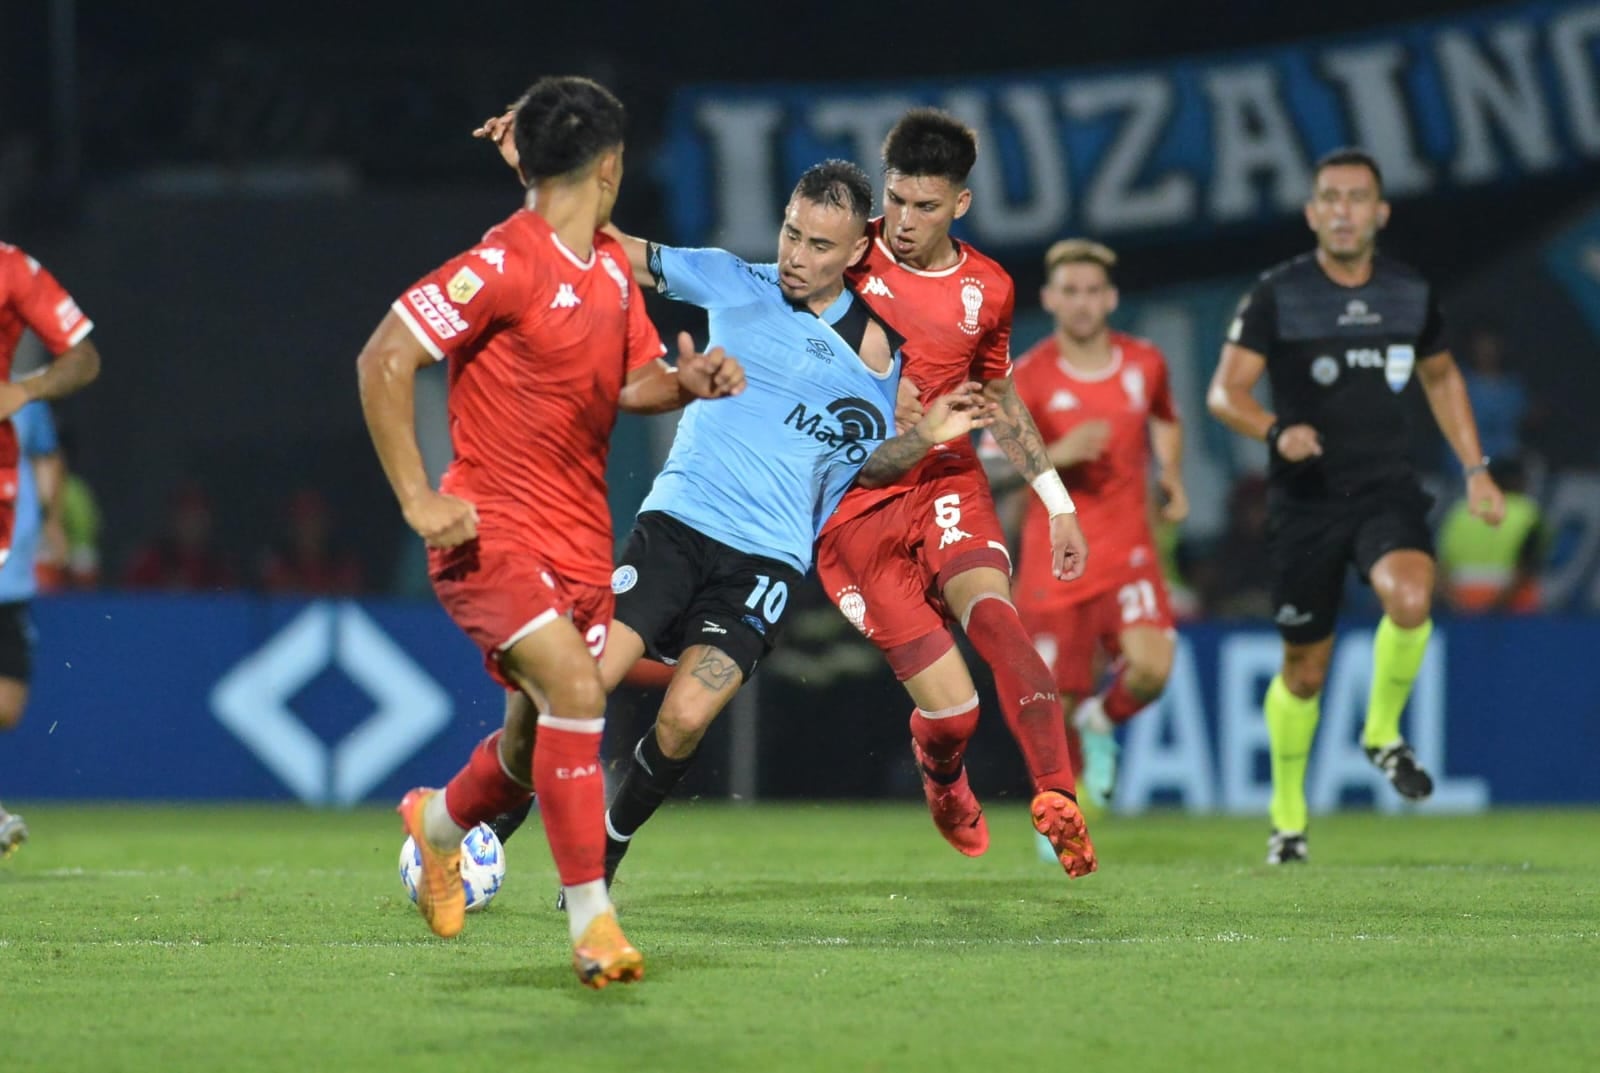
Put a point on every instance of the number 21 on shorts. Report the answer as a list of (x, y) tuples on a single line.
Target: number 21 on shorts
[(1138, 600), (769, 598)]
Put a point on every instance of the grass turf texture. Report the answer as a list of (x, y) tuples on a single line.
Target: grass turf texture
[(809, 938)]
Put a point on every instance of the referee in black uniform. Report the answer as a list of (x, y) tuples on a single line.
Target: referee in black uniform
[(1340, 332)]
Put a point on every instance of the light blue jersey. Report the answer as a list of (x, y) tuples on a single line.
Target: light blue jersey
[(36, 435), (762, 471)]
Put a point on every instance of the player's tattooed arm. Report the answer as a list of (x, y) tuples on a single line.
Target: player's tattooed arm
[(893, 459), (949, 416), (1014, 431)]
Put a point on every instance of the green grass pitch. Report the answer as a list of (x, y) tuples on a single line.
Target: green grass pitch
[(809, 937)]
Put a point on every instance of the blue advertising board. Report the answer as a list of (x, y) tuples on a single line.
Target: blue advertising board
[(338, 702)]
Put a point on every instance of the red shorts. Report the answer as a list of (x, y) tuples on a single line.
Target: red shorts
[(1068, 635), (884, 569), (499, 593)]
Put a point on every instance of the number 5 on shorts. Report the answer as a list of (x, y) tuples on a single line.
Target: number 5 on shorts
[(777, 598)]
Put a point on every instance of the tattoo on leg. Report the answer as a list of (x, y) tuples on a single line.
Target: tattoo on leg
[(715, 670)]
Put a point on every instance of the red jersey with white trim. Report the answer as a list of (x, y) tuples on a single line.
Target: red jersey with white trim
[(957, 325), (1111, 492), (30, 297), (539, 342)]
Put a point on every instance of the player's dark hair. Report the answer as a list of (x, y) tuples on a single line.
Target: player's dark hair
[(1350, 155), (838, 184), (929, 142), (563, 123)]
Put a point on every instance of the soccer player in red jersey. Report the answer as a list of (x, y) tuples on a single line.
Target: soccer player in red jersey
[(1102, 399), (903, 562), (30, 297), (546, 337)]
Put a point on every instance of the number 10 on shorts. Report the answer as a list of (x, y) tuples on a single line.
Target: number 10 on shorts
[(776, 598)]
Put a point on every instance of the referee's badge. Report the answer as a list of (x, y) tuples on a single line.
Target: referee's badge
[(623, 578), (1398, 365)]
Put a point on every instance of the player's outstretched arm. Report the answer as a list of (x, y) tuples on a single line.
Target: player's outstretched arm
[(949, 416), (72, 369), (1452, 409), (658, 388), (386, 372)]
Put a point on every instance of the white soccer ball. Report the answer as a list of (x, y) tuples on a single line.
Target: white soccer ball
[(483, 866)]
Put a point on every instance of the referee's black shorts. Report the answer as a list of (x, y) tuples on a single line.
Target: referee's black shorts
[(1311, 544), (677, 588)]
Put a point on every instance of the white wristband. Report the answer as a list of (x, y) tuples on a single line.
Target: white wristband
[(1049, 488)]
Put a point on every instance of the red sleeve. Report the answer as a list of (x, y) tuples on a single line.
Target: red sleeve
[(644, 342), (465, 300), (993, 359), (44, 305), (1161, 405)]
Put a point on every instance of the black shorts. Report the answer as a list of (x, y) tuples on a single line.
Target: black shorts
[(1311, 544), (676, 588), (16, 642)]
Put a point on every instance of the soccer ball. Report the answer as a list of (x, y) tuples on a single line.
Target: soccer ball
[(483, 866)]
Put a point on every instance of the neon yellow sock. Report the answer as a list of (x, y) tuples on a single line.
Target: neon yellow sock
[(1396, 658), (1291, 727)]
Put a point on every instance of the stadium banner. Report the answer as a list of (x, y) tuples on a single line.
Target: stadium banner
[(338, 702), (1181, 146)]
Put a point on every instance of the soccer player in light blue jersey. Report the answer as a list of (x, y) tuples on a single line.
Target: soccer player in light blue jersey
[(729, 527), (38, 479)]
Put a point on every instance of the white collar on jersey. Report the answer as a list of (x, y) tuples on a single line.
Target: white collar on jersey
[(961, 248), (569, 255), (1092, 378)]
